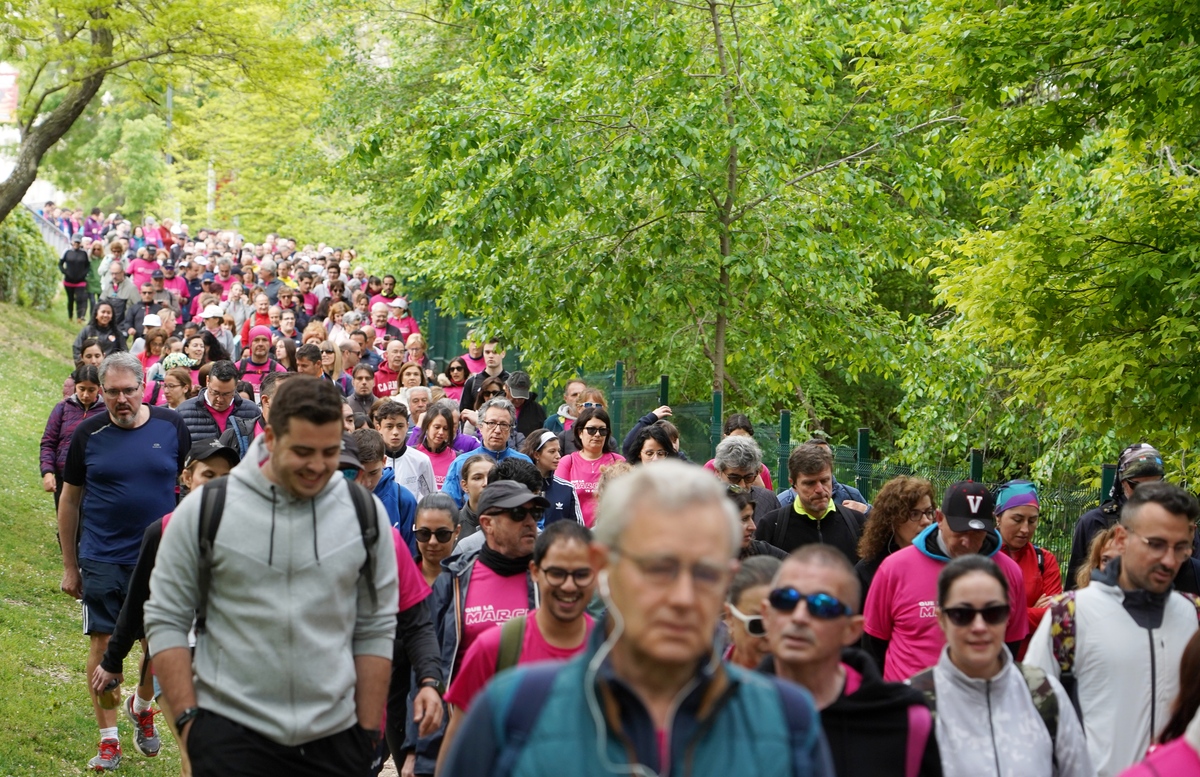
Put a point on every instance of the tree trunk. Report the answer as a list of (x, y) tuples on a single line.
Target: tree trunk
[(38, 137), (725, 211)]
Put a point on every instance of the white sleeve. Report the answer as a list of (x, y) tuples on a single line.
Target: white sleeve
[(1040, 652), (1070, 747)]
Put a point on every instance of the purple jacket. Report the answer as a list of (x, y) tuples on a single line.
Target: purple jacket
[(65, 416), (462, 442)]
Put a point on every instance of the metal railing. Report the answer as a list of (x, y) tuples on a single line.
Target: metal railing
[(58, 241)]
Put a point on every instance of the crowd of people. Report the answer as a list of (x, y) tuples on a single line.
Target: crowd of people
[(334, 550)]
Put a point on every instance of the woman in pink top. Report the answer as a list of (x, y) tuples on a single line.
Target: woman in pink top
[(595, 450), (437, 438), (454, 378), (142, 267)]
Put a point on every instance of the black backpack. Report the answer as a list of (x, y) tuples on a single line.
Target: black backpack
[(212, 507)]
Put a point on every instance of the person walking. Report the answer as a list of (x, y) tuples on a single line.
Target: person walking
[(283, 540), (1017, 513), (648, 695), (1119, 641), (814, 517), (83, 403), (74, 266), (596, 449), (209, 413), (119, 477)]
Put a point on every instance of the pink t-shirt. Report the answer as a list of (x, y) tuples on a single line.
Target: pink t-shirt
[(479, 664), (584, 475), (140, 270), (441, 462), (473, 364), (902, 607), (413, 588), (491, 599), (220, 416)]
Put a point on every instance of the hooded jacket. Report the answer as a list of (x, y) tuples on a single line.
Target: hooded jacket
[(991, 728), (869, 730), (200, 421), (74, 265), (558, 422), (1127, 649), (530, 415), (56, 440), (287, 609), (401, 507)]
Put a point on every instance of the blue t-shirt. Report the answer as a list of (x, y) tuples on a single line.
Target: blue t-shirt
[(128, 477)]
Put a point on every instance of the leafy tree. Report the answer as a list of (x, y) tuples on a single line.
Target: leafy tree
[(67, 50), (697, 186)]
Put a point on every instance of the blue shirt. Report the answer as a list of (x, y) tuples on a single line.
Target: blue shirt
[(129, 478)]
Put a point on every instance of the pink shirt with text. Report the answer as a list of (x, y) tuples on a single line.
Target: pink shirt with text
[(584, 475), (491, 599), (441, 462)]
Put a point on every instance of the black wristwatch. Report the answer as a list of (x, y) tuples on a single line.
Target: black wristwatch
[(186, 717), (436, 685)]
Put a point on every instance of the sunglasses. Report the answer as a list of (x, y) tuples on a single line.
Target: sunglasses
[(492, 394), (519, 514), (424, 535), (821, 606), (993, 614), (753, 623), (601, 431), (586, 405)]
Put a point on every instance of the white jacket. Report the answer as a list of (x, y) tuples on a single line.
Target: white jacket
[(991, 728), (1127, 676), (414, 471)]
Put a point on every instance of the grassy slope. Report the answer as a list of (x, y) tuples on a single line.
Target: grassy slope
[(48, 727)]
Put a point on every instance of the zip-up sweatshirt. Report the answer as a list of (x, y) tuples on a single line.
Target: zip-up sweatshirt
[(1128, 645), (287, 609), (991, 728)]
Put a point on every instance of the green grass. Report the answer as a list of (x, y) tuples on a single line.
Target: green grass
[(47, 723)]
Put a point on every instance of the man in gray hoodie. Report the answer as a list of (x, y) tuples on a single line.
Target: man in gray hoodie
[(291, 673)]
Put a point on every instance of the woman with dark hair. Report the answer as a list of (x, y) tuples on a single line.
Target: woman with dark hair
[(90, 354), (213, 350), (977, 683), (743, 500), (544, 451), (285, 353), (436, 530), (652, 444), (454, 378), (104, 329), (902, 509), (590, 397), (155, 339), (1017, 512), (593, 437), (66, 415), (337, 293), (437, 440)]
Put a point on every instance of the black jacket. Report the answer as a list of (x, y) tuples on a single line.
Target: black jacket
[(471, 388), (111, 337), (787, 531), (201, 423), (760, 548), (868, 729), (532, 416), (74, 265), (135, 317)]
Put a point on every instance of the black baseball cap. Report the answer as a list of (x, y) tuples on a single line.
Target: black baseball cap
[(518, 385), (969, 506), (157, 274), (349, 456), (507, 494), (209, 448)]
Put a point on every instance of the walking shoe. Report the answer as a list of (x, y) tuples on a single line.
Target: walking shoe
[(108, 758), (145, 737)]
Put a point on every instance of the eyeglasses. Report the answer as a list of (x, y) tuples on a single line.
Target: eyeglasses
[(1159, 546), (596, 431), (502, 426), (745, 480), (753, 623), (221, 394), (491, 394), (916, 515), (586, 405), (651, 455), (557, 576), (821, 605), (424, 535), (172, 385), (519, 514), (993, 614), (128, 393), (662, 571)]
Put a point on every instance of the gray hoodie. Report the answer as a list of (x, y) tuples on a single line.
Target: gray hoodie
[(287, 611)]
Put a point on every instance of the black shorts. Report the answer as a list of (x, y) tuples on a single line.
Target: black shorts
[(104, 589)]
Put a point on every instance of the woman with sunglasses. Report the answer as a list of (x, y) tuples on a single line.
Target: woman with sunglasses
[(436, 438), (454, 378), (582, 469), (592, 398), (743, 611), (1017, 511), (992, 714), (436, 530), (490, 388), (902, 509)]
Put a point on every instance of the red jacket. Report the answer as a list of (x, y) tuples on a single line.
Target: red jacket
[(387, 380), (254, 320), (1038, 581)]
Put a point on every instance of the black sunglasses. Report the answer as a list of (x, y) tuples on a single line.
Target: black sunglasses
[(993, 614), (424, 535), (518, 514), (601, 431), (821, 606), (492, 394)]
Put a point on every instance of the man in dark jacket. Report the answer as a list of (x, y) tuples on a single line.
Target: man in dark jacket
[(74, 268), (874, 728), (530, 415), (493, 359), (738, 461), (208, 414), (814, 516), (135, 316)]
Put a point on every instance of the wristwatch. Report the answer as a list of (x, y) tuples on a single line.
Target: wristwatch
[(186, 717), (436, 685)]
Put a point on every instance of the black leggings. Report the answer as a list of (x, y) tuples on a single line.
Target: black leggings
[(77, 301)]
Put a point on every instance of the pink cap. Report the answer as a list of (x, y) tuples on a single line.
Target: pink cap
[(259, 331)]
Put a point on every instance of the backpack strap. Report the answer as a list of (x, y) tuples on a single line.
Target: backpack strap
[(241, 369), (524, 708), (920, 726), (154, 392), (803, 724), (212, 507), (368, 523), (512, 634), (781, 526), (243, 437), (1045, 701), (923, 682)]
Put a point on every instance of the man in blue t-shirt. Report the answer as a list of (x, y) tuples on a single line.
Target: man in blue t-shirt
[(120, 476)]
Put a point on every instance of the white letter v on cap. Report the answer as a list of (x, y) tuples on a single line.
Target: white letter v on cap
[(974, 500)]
